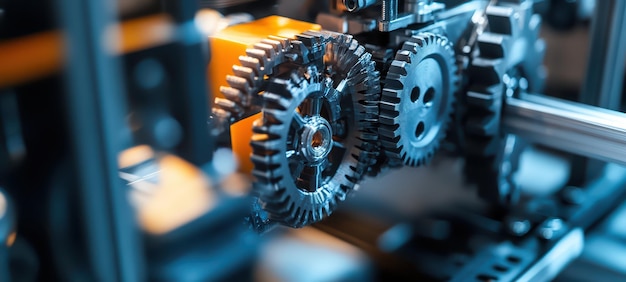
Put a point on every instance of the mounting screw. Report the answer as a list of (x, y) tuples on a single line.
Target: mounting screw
[(550, 228), (517, 226)]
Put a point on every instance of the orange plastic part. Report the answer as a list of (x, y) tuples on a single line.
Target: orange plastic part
[(226, 47)]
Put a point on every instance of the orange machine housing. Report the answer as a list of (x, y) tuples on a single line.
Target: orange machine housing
[(226, 47)]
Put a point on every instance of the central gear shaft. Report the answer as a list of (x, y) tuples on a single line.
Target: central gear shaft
[(416, 104), (317, 135)]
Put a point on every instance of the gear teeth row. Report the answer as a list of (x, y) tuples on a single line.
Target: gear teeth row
[(249, 78), (393, 129), (509, 23)]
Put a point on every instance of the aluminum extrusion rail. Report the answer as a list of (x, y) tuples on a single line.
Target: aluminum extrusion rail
[(572, 127)]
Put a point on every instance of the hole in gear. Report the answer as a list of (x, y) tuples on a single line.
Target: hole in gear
[(415, 94), (500, 268), (317, 140), (350, 4), (429, 96), (420, 129)]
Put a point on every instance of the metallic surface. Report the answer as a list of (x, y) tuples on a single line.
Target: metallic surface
[(317, 135), (355, 5), (412, 12), (604, 76), (572, 127), (417, 99), (552, 263), (605, 71)]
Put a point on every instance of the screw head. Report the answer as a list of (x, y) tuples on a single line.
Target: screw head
[(517, 226), (550, 228)]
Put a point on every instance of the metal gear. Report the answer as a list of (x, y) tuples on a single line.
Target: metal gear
[(417, 99), (317, 135), (499, 72)]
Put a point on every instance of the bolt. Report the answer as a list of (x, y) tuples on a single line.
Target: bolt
[(550, 228), (389, 10), (517, 226)]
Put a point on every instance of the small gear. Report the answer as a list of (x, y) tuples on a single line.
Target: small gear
[(317, 135), (499, 72), (417, 99)]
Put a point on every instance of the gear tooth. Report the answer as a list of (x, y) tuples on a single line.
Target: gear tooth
[(482, 100), (238, 83), (244, 72), (390, 110), (261, 129), (280, 87), (391, 92), (500, 19), (284, 42), (230, 106), (484, 72), (250, 62), (277, 49), (491, 45), (221, 114), (270, 53), (306, 39), (257, 54), (268, 159), (387, 120), (277, 100), (398, 67), (411, 45), (388, 134), (403, 55), (232, 94)]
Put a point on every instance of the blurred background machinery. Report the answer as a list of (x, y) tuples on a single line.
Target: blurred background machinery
[(116, 164)]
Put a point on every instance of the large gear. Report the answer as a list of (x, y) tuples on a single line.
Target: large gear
[(317, 135), (509, 62), (417, 99)]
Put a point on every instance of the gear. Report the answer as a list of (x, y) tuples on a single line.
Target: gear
[(317, 135), (417, 98), (499, 72)]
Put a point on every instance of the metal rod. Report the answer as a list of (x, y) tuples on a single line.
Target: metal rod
[(605, 72), (389, 10), (95, 110), (605, 66), (572, 127)]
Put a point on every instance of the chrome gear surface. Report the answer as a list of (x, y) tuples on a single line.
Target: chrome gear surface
[(317, 135), (417, 99)]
